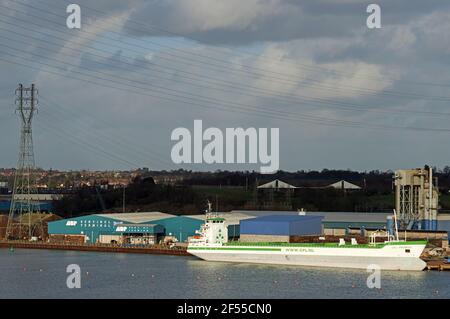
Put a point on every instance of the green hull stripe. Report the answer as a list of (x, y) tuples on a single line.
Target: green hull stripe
[(416, 242), (233, 248)]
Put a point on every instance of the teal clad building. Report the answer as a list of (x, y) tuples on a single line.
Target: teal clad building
[(180, 226), (125, 228)]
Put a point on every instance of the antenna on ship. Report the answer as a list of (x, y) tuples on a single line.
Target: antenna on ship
[(209, 207), (395, 224), (209, 212)]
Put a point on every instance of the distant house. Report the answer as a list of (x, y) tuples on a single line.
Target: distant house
[(276, 184), (344, 185)]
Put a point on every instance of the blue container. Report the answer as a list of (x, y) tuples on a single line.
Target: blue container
[(390, 224), (429, 224), (283, 225), (434, 224)]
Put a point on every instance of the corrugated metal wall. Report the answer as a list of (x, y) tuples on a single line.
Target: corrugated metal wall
[(345, 225), (264, 227), (282, 225), (444, 225), (180, 226), (93, 226)]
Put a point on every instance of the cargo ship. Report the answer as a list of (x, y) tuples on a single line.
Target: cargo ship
[(211, 244)]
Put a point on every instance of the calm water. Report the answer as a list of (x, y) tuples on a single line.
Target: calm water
[(42, 274)]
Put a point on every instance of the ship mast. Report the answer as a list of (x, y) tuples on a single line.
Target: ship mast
[(395, 224)]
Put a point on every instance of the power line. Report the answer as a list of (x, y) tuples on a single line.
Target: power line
[(362, 91), (84, 144), (240, 65), (308, 67), (114, 141), (189, 97), (428, 113), (308, 119), (318, 101), (99, 139)]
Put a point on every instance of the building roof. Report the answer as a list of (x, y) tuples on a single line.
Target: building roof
[(199, 217), (231, 218), (352, 216), (277, 184), (235, 216), (137, 218), (328, 216), (283, 218), (344, 185)]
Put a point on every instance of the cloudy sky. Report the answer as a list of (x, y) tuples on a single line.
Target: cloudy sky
[(344, 96)]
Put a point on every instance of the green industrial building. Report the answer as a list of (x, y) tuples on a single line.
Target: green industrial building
[(128, 228)]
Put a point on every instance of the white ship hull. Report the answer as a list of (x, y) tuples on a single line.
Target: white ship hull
[(399, 256)]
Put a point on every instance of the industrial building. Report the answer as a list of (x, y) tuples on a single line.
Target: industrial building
[(128, 228), (279, 228), (333, 223), (276, 184), (344, 185), (417, 198)]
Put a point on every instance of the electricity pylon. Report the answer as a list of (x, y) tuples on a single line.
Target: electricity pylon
[(23, 204)]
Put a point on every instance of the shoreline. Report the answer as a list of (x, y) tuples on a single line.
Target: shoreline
[(94, 248)]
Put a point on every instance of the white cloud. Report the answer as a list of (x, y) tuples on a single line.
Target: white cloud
[(203, 15)]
